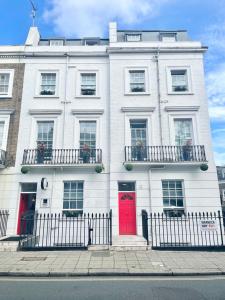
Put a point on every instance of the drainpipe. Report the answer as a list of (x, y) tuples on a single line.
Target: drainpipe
[(156, 57), (64, 102)]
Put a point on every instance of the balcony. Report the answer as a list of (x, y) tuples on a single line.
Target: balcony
[(2, 159), (62, 157), (161, 155)]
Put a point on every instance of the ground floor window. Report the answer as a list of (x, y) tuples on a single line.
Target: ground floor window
[(173, 198), (73, 198)]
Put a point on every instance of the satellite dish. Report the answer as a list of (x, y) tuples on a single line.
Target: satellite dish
[(44, 183)]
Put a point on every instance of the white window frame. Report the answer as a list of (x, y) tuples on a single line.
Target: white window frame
[(79, 82), (6, 120), (56, 43), (168, 37), (127, 80), (73, 209), (184, 197), (39, 82), (84, 118), (34, 130), (127, 35), (169, 80), (138, 116), (11, 77), (180, 116)]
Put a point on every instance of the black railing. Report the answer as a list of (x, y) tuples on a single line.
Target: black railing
[(61, 156), (2, 157), (4, 215), (57, 231), (192, 230), (167, 154)]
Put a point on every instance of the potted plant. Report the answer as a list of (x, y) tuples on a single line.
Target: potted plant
[(85, 153), (99, 169), (128, 167), (140, 150), (40, 152), (187, 150), (204, 167), (24, 170)]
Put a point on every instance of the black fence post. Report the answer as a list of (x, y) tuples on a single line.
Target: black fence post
[(110, 229), (145, 225), (221, 229)]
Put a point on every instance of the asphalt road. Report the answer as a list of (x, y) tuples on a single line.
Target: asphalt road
[(131, 288)]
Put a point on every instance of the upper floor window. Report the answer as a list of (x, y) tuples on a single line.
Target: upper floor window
[(133, 37), (137, 81), (45, 134), (88, 84), (48, 84), (168, 37), (183, 132), (138, 132), (91, 41), (6, 83), (173, 198), (87, 134), (56, 42), (179, 80)]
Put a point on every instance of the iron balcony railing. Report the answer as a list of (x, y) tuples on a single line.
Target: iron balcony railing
[(62, 156), (166, 154), (2, 157)]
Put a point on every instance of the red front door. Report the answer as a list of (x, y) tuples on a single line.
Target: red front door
[(127, 213), (22, 209)]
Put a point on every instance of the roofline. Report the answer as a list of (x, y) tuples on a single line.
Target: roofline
[(180, 30)]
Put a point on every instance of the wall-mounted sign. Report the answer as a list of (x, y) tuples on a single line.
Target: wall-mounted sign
[(208, 225), (44, 183)]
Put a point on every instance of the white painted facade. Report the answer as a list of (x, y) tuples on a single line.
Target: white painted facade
[(112, 108)]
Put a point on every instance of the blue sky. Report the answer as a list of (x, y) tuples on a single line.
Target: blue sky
[(204, 20)]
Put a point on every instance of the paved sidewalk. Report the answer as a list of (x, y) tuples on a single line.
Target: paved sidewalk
[(84, 263)]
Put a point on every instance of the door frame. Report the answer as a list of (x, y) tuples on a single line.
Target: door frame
[(134, 191)]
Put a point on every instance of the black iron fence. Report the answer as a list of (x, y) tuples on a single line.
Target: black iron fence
[(4, 215), (167, 154), (57, 231), (61, 156), (193, 230)]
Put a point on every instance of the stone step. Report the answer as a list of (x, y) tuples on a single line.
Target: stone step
[(128, 243)]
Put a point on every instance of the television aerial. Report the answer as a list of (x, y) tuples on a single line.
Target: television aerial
[(33, 12)]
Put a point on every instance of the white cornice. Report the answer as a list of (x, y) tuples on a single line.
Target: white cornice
[(45, 111), (137, 109), (182, 108), (87, 111), (7, 111)]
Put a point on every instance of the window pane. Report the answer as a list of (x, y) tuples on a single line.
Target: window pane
[(179, 80), (137, 81), (126, 186), (73, 195), (48, 83), (173, 193), (4, 83), (183, 132), (88, 84), (138, 132), (45, 134), (87, 134)]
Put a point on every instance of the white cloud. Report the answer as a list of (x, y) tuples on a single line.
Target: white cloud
[(215, 83), (219, 158), (90, 17)]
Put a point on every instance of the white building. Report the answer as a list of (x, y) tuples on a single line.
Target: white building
[(134, 101)]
